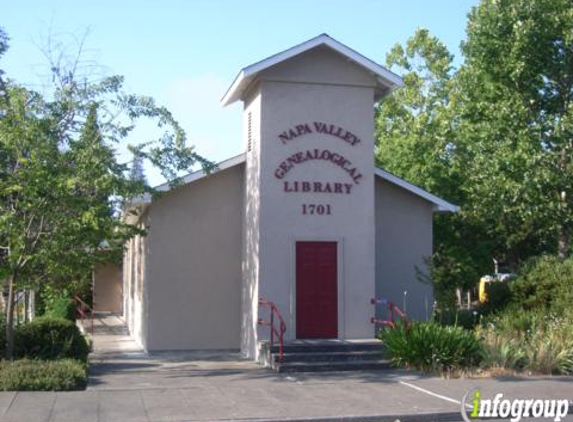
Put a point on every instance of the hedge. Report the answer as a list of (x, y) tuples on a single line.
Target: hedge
[(42, 375), (50, 338)]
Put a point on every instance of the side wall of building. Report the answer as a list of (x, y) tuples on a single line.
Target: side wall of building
[(403, 241), (193, 265)]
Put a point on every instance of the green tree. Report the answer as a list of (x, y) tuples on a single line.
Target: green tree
[(515, 108), (417, 138), (494, 136), (62, 189)]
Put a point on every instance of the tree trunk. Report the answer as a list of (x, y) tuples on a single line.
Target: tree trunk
[(10, 317), (563, 242)]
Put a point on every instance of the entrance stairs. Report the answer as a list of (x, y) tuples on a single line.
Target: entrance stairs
[(324, 356)]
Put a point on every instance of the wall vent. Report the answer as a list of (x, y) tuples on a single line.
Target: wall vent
[(249, 131)]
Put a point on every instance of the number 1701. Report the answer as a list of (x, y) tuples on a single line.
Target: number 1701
[(316, 209)]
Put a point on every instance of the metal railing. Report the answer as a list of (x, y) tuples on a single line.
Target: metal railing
[(279, 331), (394, 314), (84, 312)]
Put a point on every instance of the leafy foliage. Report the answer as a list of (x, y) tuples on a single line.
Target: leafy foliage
[(51, 338), (38, 375), (57, 299), (464, 318), (62, 189), (429, 346), (545, 284), (417, 138), (530, 341), (494, 136), (514, 106)]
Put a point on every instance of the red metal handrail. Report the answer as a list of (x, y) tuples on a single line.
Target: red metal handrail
[(394, 311), (280, 331), (82, 312)]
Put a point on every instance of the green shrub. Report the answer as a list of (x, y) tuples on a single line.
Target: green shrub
[(500, 351), (531, 341), (61, 307), (465, 318), (38, 375), (55, 302), (429, 346), (2, 335), (50, 338), (544, 283), (499, 296)]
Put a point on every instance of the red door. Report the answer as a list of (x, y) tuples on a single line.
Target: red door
[(316, 290)]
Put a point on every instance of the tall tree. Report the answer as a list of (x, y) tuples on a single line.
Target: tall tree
[(494, 136), (516, 112), (61, 187), (417, 138)]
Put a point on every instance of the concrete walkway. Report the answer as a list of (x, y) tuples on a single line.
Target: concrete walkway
[(128, 385), (111, 338)]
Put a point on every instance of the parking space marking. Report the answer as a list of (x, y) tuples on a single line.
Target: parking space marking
[(431, 393)]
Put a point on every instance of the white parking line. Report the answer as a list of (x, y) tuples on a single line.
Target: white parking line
[(430, 393)]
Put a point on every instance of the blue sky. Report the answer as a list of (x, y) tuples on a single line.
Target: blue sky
[(185, 53)]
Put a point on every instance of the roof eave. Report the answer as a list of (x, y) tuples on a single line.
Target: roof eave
[(439, 205), (384, 77)]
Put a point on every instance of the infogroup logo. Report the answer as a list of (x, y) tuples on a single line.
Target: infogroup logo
[(516, 409)]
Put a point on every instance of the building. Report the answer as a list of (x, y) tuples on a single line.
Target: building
[(303, 218)]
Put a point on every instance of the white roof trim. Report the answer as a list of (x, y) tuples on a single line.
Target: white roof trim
[(440, 205), (200, 174), (247, 75)]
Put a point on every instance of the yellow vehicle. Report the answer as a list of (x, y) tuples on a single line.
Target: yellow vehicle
[(486, 279), (483, 282)]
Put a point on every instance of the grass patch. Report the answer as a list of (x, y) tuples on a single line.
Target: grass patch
[(528, 341), (42, 375)]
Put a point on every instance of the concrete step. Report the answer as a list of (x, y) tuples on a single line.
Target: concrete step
[(328, 347), (285, 367), (325, 355), (345, 356)]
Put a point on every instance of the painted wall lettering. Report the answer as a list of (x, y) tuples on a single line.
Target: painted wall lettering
[(316, 209), (318, 154), (319, 127), (317, 187)]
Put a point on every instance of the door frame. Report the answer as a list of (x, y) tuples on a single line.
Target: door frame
[(340, 292)]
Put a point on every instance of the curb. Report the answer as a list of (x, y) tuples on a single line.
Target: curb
[(416, 417)]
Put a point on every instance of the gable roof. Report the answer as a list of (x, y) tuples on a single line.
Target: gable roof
[(440, 205), (200, 174), (387, 80)]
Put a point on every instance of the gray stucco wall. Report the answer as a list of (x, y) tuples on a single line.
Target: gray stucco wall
[(403, 240), (317, 86), (193, 265)]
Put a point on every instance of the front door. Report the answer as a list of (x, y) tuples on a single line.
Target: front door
[(316, 290)]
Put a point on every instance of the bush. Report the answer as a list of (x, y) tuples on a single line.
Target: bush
[(429, 346), (465, 318), (61, 307), (38, 375), (499, 296), (500, 351), (50, 338), (544, 283), (2, 335), (56, 303), (530, 341)]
